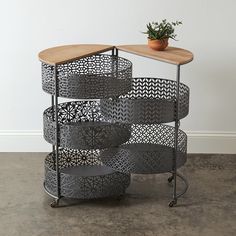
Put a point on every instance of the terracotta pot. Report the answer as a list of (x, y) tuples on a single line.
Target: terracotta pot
[(158, 44)]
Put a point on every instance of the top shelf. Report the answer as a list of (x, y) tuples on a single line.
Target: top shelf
[(172, 55), (68, 53), (62, 54)]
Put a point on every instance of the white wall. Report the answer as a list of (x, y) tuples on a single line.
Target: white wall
[(208, 31)]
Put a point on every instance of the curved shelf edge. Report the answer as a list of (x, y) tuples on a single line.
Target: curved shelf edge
[(66, 53), (150, 101), (153, 159), (93, 77), (98, 182), (80, 129)]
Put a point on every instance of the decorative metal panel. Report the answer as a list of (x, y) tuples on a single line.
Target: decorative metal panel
[(150, 150), (94, 77), (151, 100), (82, 126), (109, 183)]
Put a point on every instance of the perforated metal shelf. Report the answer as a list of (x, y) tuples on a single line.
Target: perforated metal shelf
[(92, 77), (150, 150), (151, 100), (83, 176), (81, 126)]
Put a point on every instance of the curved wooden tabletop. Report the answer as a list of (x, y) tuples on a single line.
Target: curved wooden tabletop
[(62, 54), (172, 55)]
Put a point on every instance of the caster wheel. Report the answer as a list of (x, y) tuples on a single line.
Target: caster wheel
[(55, 203), (170, 179), (120, 197), (173, 203)]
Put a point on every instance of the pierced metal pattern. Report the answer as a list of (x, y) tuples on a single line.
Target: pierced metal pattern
[(74, 157), (102, 182), (97, 76), (150, 150), (81, 126), (151, 100)]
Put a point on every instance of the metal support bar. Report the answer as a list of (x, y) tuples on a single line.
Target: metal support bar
[(185, 182), (56, 202), (177, 124), (115, 64), (52, 102), (53, 118)]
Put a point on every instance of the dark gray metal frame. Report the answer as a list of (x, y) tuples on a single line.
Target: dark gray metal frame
[(175, 174), (55, 147), (58, 195), (125, 178), (175, 156)]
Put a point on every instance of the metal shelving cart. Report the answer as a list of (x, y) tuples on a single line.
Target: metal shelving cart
[(97, 145)]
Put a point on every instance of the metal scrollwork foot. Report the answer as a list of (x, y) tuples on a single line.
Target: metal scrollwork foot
[(55, 203), (170, 178), (173, 203), (120, 197)]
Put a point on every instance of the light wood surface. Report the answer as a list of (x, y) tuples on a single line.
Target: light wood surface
[(170, 55), (67, 53)]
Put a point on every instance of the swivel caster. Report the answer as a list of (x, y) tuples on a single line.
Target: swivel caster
[(55, 203), (170, 178), (173, 203), (120, 197)]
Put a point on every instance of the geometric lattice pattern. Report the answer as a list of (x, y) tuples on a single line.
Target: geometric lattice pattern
[(150, 150), (97, 76), (81, 126), (74, 157), (150, 101), (83, 187)]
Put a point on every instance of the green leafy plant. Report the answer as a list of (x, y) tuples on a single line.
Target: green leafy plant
[(162, 30)]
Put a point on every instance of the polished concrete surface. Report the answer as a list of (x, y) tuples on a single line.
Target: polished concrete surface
[(208, 208)]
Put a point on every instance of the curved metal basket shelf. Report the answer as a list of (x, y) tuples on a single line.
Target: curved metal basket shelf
[(83, 176), (150, 150), (97, 76), (81, 126), (151, 100)]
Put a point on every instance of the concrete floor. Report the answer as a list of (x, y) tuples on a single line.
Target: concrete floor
[(208, 208)]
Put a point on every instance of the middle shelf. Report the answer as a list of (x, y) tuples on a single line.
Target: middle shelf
[(127, 148), (82, 126), (151, 100)]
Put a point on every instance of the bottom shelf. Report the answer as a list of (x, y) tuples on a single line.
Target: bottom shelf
[(83, 176), (150, 150)]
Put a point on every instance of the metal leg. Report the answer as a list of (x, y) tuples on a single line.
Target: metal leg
[(53, 118), (181, 177), (186, 185), (170, 178), (115, 65), (55, 203), (177, 123), (116, 54)]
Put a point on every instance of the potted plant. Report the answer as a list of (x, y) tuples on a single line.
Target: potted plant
[(159, 34)]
